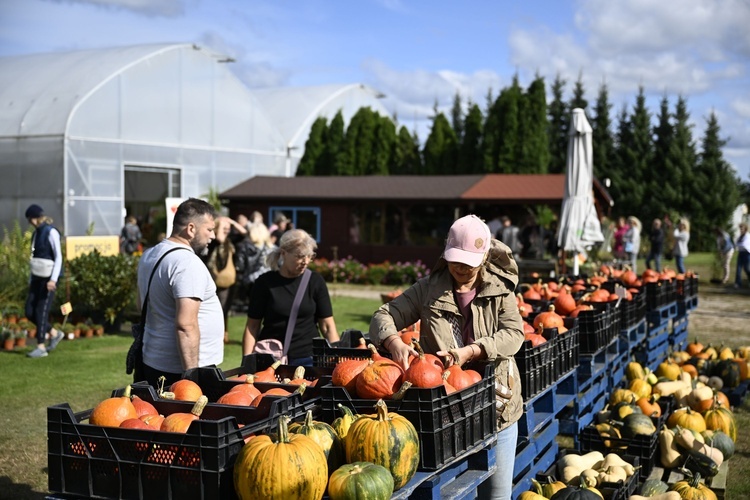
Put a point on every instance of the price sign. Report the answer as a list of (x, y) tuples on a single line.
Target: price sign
[(66, 309)]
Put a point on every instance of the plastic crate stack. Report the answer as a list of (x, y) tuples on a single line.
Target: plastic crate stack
[(548, 374), (661, 303)]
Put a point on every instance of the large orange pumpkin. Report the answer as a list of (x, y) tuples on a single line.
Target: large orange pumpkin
[(379, 379), (289, 466), (180, 422), (113, 411)]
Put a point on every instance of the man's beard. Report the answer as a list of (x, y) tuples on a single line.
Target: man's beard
[(200, 250)]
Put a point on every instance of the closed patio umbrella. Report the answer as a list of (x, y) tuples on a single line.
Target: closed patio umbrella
[(579, 224)]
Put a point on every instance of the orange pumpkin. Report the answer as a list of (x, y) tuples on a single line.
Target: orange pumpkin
[(423, 372), (113, 411), (649, 406), (180, 422), (186, 390), (687, 418), (550, 319)]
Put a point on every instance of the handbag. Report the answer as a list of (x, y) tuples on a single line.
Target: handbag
[(227, 276), (629, 247), (41, 268), (273, 346), (134, 359)]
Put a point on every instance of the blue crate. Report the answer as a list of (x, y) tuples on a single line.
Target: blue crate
[(636, 333), (686, 304), (545, 406), (590, 366), (534, 455), (657, 335), (737, 394), (617, 371), (578, 416), (662, 313), (458, 480)]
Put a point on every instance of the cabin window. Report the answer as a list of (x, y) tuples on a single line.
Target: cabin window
[(307, 218)]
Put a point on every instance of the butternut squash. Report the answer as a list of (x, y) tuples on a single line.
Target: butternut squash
[(670, 454), (612, 474), (614, 459), (686, 439), (577, 464), (669, 388)]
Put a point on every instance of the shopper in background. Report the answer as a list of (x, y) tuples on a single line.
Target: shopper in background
[(130, 236), (468, 313), (184, 322), (46, 271), (282, 224), (252, 253), (632, 242), (681, 239), (272, 296), (725, 246), (621, 228), (221, 265), (509, 234), (743, 255), (656, 238)]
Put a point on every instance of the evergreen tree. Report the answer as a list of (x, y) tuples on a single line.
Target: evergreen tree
[(406, 158), (619, 173), (534, 152), (559, 122), (383, 146), (717, 189), (680, 164), (360, 137), (314, 148), (508, 103), (664, 177), (335, 160), (578, 100), (457, 117), (440, 149), (601, 138), (470, 159), (640, 153), (491, 135)]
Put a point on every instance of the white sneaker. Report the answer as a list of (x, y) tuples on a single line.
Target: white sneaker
[(55, 340), (37, 353)]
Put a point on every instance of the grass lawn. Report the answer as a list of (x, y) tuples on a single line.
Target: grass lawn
[(85, 371)]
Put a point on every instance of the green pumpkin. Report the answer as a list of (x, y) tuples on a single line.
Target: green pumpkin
[(637, 424), (360, 481), (325, 436), (729, 372), (386, 439), (622, 409), (720, 441), (653, 487)]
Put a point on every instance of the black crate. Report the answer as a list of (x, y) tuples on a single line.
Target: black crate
[(215, 383), (107, 462), (633, 311), (447, 424), (328, 354), (594, 328), (659, 294), (539, 367), (567, 346), (621, 490)]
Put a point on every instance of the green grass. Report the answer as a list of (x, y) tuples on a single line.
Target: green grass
[(82, 373)]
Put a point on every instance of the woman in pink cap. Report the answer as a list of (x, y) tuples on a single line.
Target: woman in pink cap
[(468, 313)]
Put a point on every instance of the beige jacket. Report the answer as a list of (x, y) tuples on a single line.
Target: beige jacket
[(498, 327)]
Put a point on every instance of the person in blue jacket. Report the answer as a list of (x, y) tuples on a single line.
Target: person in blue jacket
[(46, 270)]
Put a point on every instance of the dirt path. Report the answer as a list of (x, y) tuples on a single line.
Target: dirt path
[(722, 316)]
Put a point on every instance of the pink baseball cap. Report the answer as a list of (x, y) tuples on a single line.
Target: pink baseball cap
[(468, 241)]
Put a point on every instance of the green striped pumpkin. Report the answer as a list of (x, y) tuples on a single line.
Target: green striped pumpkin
[(360, 481), (325, 436), (288, 466), (385, 439)]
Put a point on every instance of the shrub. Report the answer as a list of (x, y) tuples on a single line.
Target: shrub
[(350, 270), (14, 262)]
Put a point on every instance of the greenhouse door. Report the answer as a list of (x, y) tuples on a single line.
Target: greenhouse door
[(146, 188)]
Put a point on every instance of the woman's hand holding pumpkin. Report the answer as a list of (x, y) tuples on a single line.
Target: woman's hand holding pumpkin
[(400, 352)]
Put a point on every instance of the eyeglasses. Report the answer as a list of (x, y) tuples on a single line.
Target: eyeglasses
[(304, 257), (462, 267)]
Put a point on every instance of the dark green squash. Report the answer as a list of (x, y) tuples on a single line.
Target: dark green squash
[(729, 372), (580, 493), (637, 424), (720, 441), (325, 436), (360, 480), (622, 409)]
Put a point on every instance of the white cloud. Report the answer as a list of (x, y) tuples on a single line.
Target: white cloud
[(160, 8)]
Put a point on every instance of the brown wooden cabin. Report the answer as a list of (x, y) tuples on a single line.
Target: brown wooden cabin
[(395, 218)]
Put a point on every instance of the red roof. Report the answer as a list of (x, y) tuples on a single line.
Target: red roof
[(520, 187)]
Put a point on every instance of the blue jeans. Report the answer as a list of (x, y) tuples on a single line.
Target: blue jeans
[(500, 485), (679, 261), (656, 258), (743, 262)]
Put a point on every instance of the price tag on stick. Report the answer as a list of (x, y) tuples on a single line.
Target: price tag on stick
[(66, 309)]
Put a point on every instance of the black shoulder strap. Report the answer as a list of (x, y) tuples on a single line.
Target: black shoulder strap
[(144, 310)]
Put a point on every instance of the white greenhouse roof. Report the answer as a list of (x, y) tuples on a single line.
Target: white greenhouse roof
[(294, 109), (39, 92)]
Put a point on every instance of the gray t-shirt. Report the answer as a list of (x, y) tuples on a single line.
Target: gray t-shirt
[(181, 274)]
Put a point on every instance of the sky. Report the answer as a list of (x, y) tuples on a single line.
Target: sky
[(422, 52)]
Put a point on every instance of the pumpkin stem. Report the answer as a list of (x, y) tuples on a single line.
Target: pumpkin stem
[(309, 418), (299, 373), (418, 348), (400, 394), (199, 406), (284, 429), (346, 410), (537, 487), (383, 409), (300, 389), (128, 389), (250, 378)]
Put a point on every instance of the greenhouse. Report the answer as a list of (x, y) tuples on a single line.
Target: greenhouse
[(95, 135)]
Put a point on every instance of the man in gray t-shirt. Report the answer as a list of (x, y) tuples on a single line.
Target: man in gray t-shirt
[(185, 324)]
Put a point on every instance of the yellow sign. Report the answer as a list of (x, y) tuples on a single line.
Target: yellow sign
[(82, 245), (66, 309)]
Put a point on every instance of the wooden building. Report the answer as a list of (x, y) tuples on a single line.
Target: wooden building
[(395, 218)]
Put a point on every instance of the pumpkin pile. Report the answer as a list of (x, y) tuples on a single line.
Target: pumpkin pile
[(376, 454), (382, 378)]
